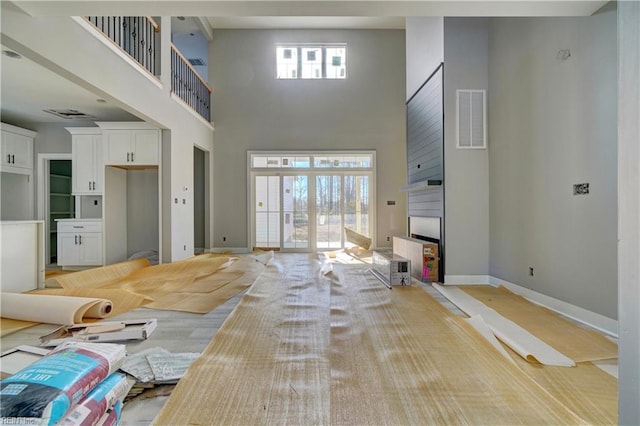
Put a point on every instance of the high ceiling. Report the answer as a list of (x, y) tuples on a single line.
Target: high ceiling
[(28, 88)]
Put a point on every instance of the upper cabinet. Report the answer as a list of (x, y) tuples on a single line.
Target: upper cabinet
[(17, 150), (131, 147), (87, 164)]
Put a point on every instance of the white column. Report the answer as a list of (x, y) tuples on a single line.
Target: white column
[(629, 211)]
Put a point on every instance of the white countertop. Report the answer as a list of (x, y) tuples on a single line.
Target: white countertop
[(20, 222), (79, 220)]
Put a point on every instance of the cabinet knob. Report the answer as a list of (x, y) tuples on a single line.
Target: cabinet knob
[(89, 185), (132, 156), (76, 239), (128, 154), (80, 239), (9, 158), (13, 159)]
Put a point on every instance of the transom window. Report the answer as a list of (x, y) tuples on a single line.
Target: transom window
[(311, 61)]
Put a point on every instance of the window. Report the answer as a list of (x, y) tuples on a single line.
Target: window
[(303, 201), (311, 61)]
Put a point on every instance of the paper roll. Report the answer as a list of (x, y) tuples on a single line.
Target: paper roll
[(48, 309)]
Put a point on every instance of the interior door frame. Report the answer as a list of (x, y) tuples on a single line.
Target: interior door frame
[(43, 195)]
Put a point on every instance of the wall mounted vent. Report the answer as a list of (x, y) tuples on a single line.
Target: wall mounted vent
[(471, 120), (196, 62), (70, 114)]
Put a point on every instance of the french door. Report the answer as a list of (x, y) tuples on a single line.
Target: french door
[(308, 210)]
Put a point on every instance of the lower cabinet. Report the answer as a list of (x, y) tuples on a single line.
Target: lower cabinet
[(79, 243)]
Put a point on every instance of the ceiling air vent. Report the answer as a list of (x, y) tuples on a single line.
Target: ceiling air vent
[(70, 114), (196, 62)]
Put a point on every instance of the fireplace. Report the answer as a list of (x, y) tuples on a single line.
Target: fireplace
[(429, 229)]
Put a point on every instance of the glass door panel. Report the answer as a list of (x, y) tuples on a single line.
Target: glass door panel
[(329, 232), (356, 204), (267, 205), (295, 207)]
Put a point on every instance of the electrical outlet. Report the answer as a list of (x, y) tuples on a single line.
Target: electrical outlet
[(580, 189), (530, 271)]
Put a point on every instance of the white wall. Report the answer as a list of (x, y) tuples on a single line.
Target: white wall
[(466, 171), (425, 49), (254, 111), (552, 123)]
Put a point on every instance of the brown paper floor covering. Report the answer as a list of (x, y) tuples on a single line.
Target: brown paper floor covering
[(585, 389), (578, 343), (198, 285), (10, 326), (302, 348)]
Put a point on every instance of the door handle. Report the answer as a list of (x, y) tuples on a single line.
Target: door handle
[(80, 239), (76, 239), (89, 185), (9, 158), (128, 154), (132, 157), (13, 159)]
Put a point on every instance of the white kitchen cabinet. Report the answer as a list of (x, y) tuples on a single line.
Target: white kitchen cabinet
[(132, 147), (17, 150), (87, 164), (79, 242)]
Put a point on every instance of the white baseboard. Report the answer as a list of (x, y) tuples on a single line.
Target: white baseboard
[(234, 250), (467, 279), (599, 322)]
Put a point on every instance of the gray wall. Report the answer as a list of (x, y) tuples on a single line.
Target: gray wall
[(252, 111), (466, 180), (424, 44), (52, 138), (553, 124), (142, 211)]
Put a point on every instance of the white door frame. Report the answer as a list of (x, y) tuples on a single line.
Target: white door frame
[(43, 192)]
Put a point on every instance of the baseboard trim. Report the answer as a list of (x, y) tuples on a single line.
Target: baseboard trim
[(467, 279), (233, 250), (599, 322)]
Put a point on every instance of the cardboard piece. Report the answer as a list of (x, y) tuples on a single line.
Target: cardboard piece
[(423, 255), (393, 269), (109, 331), (14, 360)]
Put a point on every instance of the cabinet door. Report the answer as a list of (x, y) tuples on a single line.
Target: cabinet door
[(68, 249), (90, 248), (117, 147), (17, 153), (83, 149), (145, 145)]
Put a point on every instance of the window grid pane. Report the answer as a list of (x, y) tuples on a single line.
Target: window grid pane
[(311, 62)]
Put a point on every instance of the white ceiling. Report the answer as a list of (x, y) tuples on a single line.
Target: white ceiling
[(27, 88)]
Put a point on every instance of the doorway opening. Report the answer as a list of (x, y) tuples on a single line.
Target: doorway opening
[(55, 200), (200, 197)]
